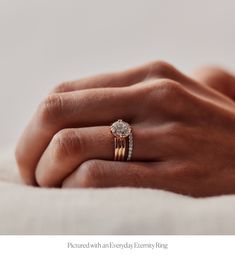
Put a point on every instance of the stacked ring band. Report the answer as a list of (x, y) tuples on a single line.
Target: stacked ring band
[(123, 140)]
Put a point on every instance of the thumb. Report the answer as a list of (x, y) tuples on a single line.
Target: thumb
[(218, 79)]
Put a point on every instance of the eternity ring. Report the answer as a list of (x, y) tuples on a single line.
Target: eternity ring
[(123, 140)]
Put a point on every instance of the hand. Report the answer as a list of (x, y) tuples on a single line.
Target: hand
[(184, 133)]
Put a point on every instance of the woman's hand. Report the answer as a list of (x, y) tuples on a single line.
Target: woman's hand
[(184, 133)]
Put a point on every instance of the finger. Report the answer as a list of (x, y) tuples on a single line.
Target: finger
[(156, 69), (116, 79), (92, 108), (70, 147), (218, 79), (104, 174), (74, 109), (86, 108)]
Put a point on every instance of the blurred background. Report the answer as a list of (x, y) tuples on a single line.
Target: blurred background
[(43, 43)]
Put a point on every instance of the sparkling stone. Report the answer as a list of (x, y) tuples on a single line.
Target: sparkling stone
[(120, 129)]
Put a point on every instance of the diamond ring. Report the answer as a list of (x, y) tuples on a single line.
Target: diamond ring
[(123, 140)]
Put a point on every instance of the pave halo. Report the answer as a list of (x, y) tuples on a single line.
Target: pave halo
[(120, 129)]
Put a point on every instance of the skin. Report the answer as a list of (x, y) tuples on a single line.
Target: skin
[(183, 128)]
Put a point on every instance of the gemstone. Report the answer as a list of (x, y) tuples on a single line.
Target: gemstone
[(120, 129)]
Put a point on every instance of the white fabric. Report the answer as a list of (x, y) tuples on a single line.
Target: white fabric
[(29, 210)]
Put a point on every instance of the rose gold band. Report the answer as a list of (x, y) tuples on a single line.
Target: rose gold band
[(119, 148), (123, 140)]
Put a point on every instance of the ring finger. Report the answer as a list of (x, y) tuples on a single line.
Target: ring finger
[(71, 147)]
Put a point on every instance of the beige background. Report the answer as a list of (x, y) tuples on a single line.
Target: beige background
[(45, 42)]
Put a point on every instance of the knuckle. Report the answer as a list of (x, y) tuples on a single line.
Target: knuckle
[(169, 97), (166, 89), (50, 108), (66, 142), (62, 87), (89, 174), (162, 68), (175, 129), (164, 94)]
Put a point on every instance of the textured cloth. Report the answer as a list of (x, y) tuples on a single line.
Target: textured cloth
[(30, 210)]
